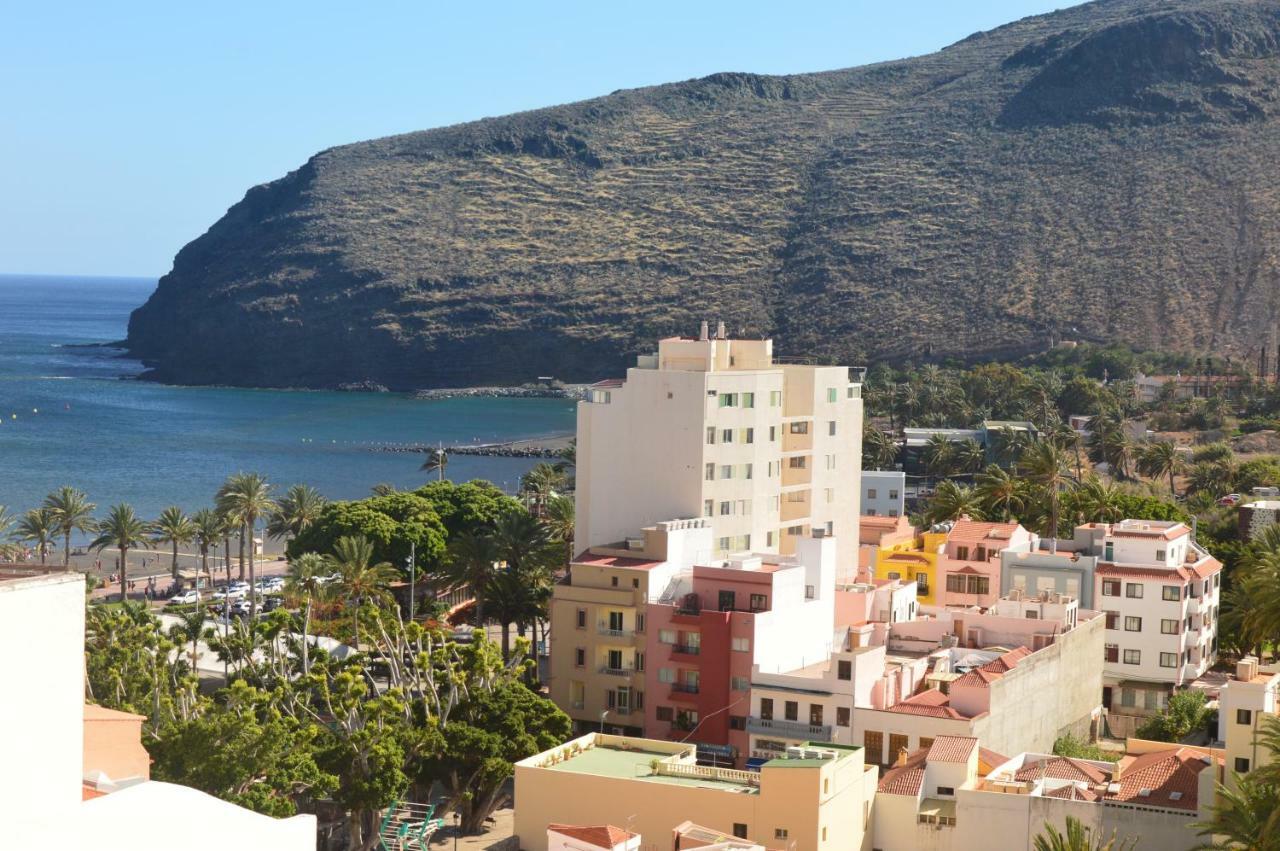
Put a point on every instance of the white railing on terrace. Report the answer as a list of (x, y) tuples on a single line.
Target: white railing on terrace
[(705, 772)]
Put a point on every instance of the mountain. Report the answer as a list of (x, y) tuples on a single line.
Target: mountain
[(1104, 172)]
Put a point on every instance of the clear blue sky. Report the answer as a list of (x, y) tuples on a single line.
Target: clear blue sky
[(127, 128)]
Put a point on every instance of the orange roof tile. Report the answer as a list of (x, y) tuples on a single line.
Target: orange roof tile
[(1073, 793), (930, 702), (905, 779), (1106, 568), (1006, 661), (603, 836), (991, 758), (977, 678), (589, 558), (1171, 779), (1061, 768), (952, 748)]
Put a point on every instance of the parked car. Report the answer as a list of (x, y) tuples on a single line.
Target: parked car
[(240, 607), (1229, 499), (185, 598), (270, 604)]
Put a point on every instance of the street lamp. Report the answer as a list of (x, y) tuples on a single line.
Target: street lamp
[(457, 828), (603, 715)]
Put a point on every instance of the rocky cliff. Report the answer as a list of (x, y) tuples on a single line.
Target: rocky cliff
[(1107, 171)]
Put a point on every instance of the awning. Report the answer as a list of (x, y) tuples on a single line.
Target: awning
[(754, 763)]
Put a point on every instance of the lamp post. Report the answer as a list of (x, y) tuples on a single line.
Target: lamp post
[(603, 715), (457, 828)]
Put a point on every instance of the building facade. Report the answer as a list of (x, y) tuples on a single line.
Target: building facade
[(716, 428), (884, 493)]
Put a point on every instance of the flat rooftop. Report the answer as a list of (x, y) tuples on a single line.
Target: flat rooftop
[(634, 764)]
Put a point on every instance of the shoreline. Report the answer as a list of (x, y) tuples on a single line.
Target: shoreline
[(548, 446)]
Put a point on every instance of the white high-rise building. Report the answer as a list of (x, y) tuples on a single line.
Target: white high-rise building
[(713, 427)]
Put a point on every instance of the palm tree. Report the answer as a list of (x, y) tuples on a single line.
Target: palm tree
[(299, 508), (1099, 501), (247, 497), (472, 562), (951, 501), (938, 455), (1109, 444), (513, 600), (73, 512), (1247, 817), (1069, 440), (1077, 838), (541, 483), (1211, 477), (1009, 445), (1158, 459), (383, 489), (6, 521), (879, 450), (123, 530), (359, 578), (190, 627), (559, 518), (1002, 494), (174, 527), (38, 526), (302, 582), (209, 527), (1046, 466), (969, 456), (437, 461)]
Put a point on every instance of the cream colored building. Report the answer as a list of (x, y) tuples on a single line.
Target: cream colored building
[(598, 621), (1245, 702), (717, 428), (816, 798)]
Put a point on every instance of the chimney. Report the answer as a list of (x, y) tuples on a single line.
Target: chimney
[(720, 332), (702, 331), (902, 757), (1246, 669)]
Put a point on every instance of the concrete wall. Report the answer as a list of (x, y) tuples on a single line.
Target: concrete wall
[(1035, 572)]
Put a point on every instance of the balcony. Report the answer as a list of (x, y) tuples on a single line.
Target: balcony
[(617, 672), (794, 476), (685, 652), (604, 629), (789, 729), (684, 692)]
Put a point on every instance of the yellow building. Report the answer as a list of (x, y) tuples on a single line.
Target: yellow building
[(817, 797), (1245, 702), (914, 560)]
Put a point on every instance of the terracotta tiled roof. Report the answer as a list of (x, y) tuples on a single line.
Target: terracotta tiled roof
[(603, 836), (990, 758), (969, 571), (916, 557), (1074, 793), (931, 702), (1061, 768), (1006, 661), (952, 748), (1171, 778), (905, 779), (1109, 569), (590, 558), (978, 531), (1207, 568), (977, 678)]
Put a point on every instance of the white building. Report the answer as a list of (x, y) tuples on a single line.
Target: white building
[(1159, 592), (1245, 702), (714, 427), (884, 493)]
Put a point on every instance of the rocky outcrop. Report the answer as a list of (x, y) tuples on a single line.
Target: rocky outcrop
[(1103, 172)]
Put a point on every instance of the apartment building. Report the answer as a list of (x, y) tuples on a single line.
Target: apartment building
[(817, 797), (719, 428), (913, 560), (1159, 592), (876, 533), (720, 622), (948, 797), (884, 493), (971, 559), (598, 621), (1245, 702)]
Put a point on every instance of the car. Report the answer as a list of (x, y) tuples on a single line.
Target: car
[(240, 607), (270, 604), (1229, 499), (185, 598), (233, 594)]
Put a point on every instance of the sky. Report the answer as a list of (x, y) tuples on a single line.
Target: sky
[(128, 128)]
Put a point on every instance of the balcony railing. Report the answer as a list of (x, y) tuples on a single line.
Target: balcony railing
[(617, 672), (605, 629), (685, 688), (789, 729), (686, 649)]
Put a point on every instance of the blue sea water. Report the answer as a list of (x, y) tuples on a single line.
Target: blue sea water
[(73, 415)]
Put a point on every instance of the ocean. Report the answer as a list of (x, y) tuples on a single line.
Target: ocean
[(73, 415)]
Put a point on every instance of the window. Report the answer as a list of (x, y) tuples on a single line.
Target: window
[(1169, 627), (577, 693), (726, 507), (726, 435), (615, 621), (613, 580), (962, 553), (711, 472), (831, 394), (798, 462), (766, 708), (579, 657), (759, 602), (946, 790), (768, 539), (739, 830), (831, 428), (1242, 765), (1032, 615), (639, 661), (1150, 700), (740, 684), (791, 710), (582, 618), (842, 716), (956, 583), (815, 714), (844, 669), (748, 435), (726, 471), (1160, 555), (1168, 660), (728, 400), (665, 713), (1132, 624), (773, 433), (871, 493), (1113, 620), (1172, 592), (726, 544), (727, 600), (779, 833), (711, 435), (737, 722), (614, 662), (1244, 716), (748, 400), (1111, 653), (1109, 551), (1133, 589), (922, 583), (742, 645), (1133, 657), (708, 507), (1111, 587), (873, 744), (829, 494), (831, 462), (746, 471), (666, 636), (893, 494), (801, 427), (775, 398)]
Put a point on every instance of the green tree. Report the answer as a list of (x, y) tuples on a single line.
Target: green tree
[(467, 506), (951, 501), (39, 527), (539, 484), (190, 628), (1183, 714), (969, 456), (173, 527), (360, 577), (122, 530), (1246, 818), (391, 523), (559, 520), (1078, 838), (879, 449), (209, 527), (472, 563), (1001, 493), (1159, 459), (246, 497), (73, 512), (1096, 501), (298, 508), (513, 599), (938, 455), (1046, 467), (303, 583)]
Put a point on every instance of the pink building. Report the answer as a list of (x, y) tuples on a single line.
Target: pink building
[(719, 622), (970, 560)]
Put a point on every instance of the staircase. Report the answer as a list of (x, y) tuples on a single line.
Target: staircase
[(408, 825)]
